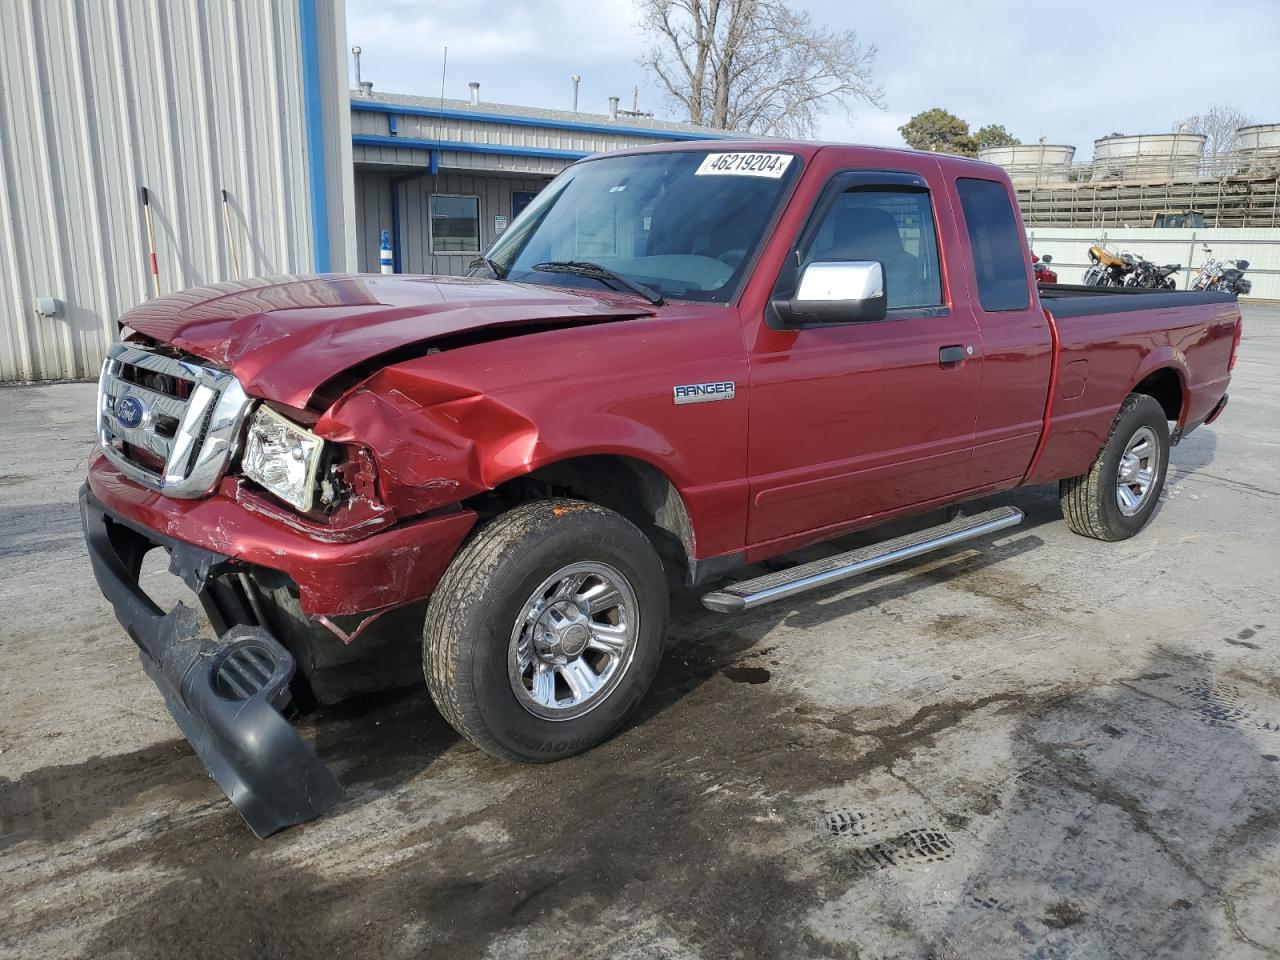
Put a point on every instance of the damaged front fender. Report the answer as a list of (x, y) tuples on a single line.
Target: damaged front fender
[(436, 444)]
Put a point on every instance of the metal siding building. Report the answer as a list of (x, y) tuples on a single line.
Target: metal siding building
[(408, 148), (101, 99), (374, 192)]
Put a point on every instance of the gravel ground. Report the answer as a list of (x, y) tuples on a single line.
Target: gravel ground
[(1042, 746)]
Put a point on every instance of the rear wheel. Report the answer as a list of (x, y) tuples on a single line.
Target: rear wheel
[(546, 630), (1114, 500)]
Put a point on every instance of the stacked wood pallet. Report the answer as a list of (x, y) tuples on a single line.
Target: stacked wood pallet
[(1248, 200)]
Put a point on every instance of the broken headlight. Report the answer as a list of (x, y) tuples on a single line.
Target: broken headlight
[(283, 457)]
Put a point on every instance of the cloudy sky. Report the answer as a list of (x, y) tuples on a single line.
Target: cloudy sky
[(1068, 74)]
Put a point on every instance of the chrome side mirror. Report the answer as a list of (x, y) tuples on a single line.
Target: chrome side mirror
[(842, 291)]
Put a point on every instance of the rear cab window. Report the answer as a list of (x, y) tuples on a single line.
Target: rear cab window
[(995, 244)]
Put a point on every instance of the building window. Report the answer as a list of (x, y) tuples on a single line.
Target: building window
[(455, 224), (519, 200)]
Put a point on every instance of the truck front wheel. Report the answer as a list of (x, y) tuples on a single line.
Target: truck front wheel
[(546, 630), (1114, 500)]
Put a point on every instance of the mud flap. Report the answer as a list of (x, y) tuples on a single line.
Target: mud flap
[(226, 695)]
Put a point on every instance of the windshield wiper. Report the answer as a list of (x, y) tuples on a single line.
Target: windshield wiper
[(585, 268), (493, 266)]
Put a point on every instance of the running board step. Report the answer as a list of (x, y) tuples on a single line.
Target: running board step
[(819, 573)]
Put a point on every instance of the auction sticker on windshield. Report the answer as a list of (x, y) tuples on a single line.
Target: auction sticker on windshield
[(772, 165)]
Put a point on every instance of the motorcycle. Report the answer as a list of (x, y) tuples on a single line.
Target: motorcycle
[(1044, 273), (1226, 276), (1107, 269), (1153, 277)]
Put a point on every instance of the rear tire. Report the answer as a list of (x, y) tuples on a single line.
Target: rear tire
[(1117, 496), (546, 630)]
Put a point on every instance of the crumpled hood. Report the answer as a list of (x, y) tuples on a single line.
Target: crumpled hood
[(284, 337)]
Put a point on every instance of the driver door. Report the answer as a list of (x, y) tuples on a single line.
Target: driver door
[(850, 421)]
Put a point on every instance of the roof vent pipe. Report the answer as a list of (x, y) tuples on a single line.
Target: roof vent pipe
[(576, 80), (366, 88), (475, 92), (613, 108)]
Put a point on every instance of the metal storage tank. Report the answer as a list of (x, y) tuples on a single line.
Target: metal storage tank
[(1032, 162), (1151, 157), (234, 117), (1259, 146)]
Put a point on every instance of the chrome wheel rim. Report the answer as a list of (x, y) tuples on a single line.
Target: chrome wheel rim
[(573, 640), (1136, 474)]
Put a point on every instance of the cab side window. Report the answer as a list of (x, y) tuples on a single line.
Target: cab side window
[(996, 243), (894, 226)]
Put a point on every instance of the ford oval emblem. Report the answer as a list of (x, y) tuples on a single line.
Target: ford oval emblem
[(129, 412)]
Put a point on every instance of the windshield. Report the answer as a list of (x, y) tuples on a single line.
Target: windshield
[(683, 224)]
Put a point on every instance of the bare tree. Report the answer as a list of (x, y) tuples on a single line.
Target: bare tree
[(1218, 124), (754, 65)]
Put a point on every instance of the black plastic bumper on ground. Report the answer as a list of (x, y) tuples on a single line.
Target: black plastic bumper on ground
[(225, 694)]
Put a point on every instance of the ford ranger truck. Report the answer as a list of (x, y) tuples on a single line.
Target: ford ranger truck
[(676, 362)]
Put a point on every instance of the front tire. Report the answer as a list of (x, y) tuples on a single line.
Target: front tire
[(546, 630), (1116, 497)]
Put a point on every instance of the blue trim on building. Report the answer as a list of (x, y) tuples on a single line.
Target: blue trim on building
[(313, 113), (376, 140), (476, 116)]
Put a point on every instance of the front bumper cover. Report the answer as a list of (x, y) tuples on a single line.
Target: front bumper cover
[(334, 576), (226, 694)]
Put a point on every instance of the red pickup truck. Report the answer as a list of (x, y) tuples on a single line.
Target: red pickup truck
[(677, 361)]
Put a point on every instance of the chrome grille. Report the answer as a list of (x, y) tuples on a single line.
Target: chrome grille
[(169, 424)]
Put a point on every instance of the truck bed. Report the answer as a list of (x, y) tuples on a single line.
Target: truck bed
[(1078, 300)]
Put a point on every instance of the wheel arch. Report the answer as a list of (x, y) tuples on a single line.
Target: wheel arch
[(1167, 385), (628, 485)]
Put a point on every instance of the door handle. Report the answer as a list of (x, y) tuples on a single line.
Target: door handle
[(948, 356)]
